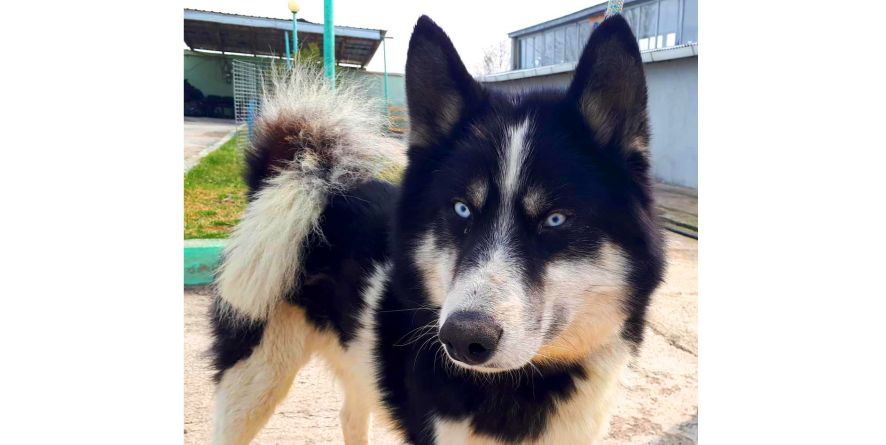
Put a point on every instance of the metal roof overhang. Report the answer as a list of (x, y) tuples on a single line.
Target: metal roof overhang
[(232, 33)]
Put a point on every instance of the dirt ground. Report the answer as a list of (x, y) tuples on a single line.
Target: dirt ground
[(658, 403)]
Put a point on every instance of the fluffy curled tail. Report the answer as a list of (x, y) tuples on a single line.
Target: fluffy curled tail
[(309, 142)]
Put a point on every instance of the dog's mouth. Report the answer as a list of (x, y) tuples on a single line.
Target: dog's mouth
[(487, 367)]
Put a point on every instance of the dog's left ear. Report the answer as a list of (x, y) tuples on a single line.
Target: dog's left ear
[(610, 87), (438, 87)]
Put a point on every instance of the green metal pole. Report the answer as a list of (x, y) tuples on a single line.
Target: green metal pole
[(294, 36), (286, 39), (384, 48), (328, 42)]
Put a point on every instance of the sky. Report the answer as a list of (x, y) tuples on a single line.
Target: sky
[(472, 25)]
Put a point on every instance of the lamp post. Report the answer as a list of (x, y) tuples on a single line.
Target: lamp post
[(384, 49), (293, 6), (328, 42), (288, 59)]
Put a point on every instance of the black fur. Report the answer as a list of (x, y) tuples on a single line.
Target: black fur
[(604, 181), (233, 339), (355, 236)]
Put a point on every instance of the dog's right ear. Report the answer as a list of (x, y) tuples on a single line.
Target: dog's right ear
[(438, 87)]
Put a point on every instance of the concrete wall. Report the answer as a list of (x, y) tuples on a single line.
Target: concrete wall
[(207, 74), (673, 115)]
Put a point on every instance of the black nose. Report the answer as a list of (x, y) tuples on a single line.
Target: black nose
[(470, 337)]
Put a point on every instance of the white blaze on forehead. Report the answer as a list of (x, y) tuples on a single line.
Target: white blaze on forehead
[(513, 158)]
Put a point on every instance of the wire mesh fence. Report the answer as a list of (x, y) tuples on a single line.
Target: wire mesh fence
[(249, 79)]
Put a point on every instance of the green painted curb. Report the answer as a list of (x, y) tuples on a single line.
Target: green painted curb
[(202, 257)]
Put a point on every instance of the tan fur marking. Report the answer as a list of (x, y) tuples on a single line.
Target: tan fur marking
[(435, 266), (534, 202), (595, 294), (598, 116), (477, 193), (448, 113)]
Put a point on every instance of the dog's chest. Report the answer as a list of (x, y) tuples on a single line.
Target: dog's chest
[(582, 417), (577, 420)]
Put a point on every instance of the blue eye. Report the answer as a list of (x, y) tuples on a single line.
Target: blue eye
[(555, 219), (462, 209)]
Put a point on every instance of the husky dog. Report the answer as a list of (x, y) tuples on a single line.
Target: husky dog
[(493, 297)]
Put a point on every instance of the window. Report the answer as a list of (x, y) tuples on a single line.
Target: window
[(656, 23), (573, 46), (668, 21), (584, 33), (548, 53), (527, 52), (559, 45)]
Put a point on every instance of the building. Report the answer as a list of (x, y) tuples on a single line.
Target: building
[(215, 40), (545, 55)]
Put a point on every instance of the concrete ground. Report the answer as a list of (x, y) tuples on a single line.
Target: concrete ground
[(678, 207), (658, 403), (203, 135)]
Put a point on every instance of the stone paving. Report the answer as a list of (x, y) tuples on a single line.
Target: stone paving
[(203, 135), (658, 403)]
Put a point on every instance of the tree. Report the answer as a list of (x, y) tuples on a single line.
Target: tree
[(496, 58)]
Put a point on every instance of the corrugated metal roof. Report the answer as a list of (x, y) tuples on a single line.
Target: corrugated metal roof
[(235, 33)]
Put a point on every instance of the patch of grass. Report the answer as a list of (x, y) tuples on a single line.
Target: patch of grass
[(215, 194)]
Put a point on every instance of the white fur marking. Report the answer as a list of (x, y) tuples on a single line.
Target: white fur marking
[(513, 158)]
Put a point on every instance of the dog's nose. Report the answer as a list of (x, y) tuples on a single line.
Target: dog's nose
[(470, 337)]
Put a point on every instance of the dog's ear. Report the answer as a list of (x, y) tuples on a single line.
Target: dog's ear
[(438, 87), (610, 87)]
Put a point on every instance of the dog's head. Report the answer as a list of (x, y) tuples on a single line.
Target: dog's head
[(527, 218)]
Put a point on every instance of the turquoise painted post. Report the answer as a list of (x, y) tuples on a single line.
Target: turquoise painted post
[(614, 7), (288, 59), (294, 36), (384, 49), (328, 42)]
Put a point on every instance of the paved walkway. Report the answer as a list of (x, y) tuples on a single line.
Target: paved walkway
[(203, 135), (658, 405)]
